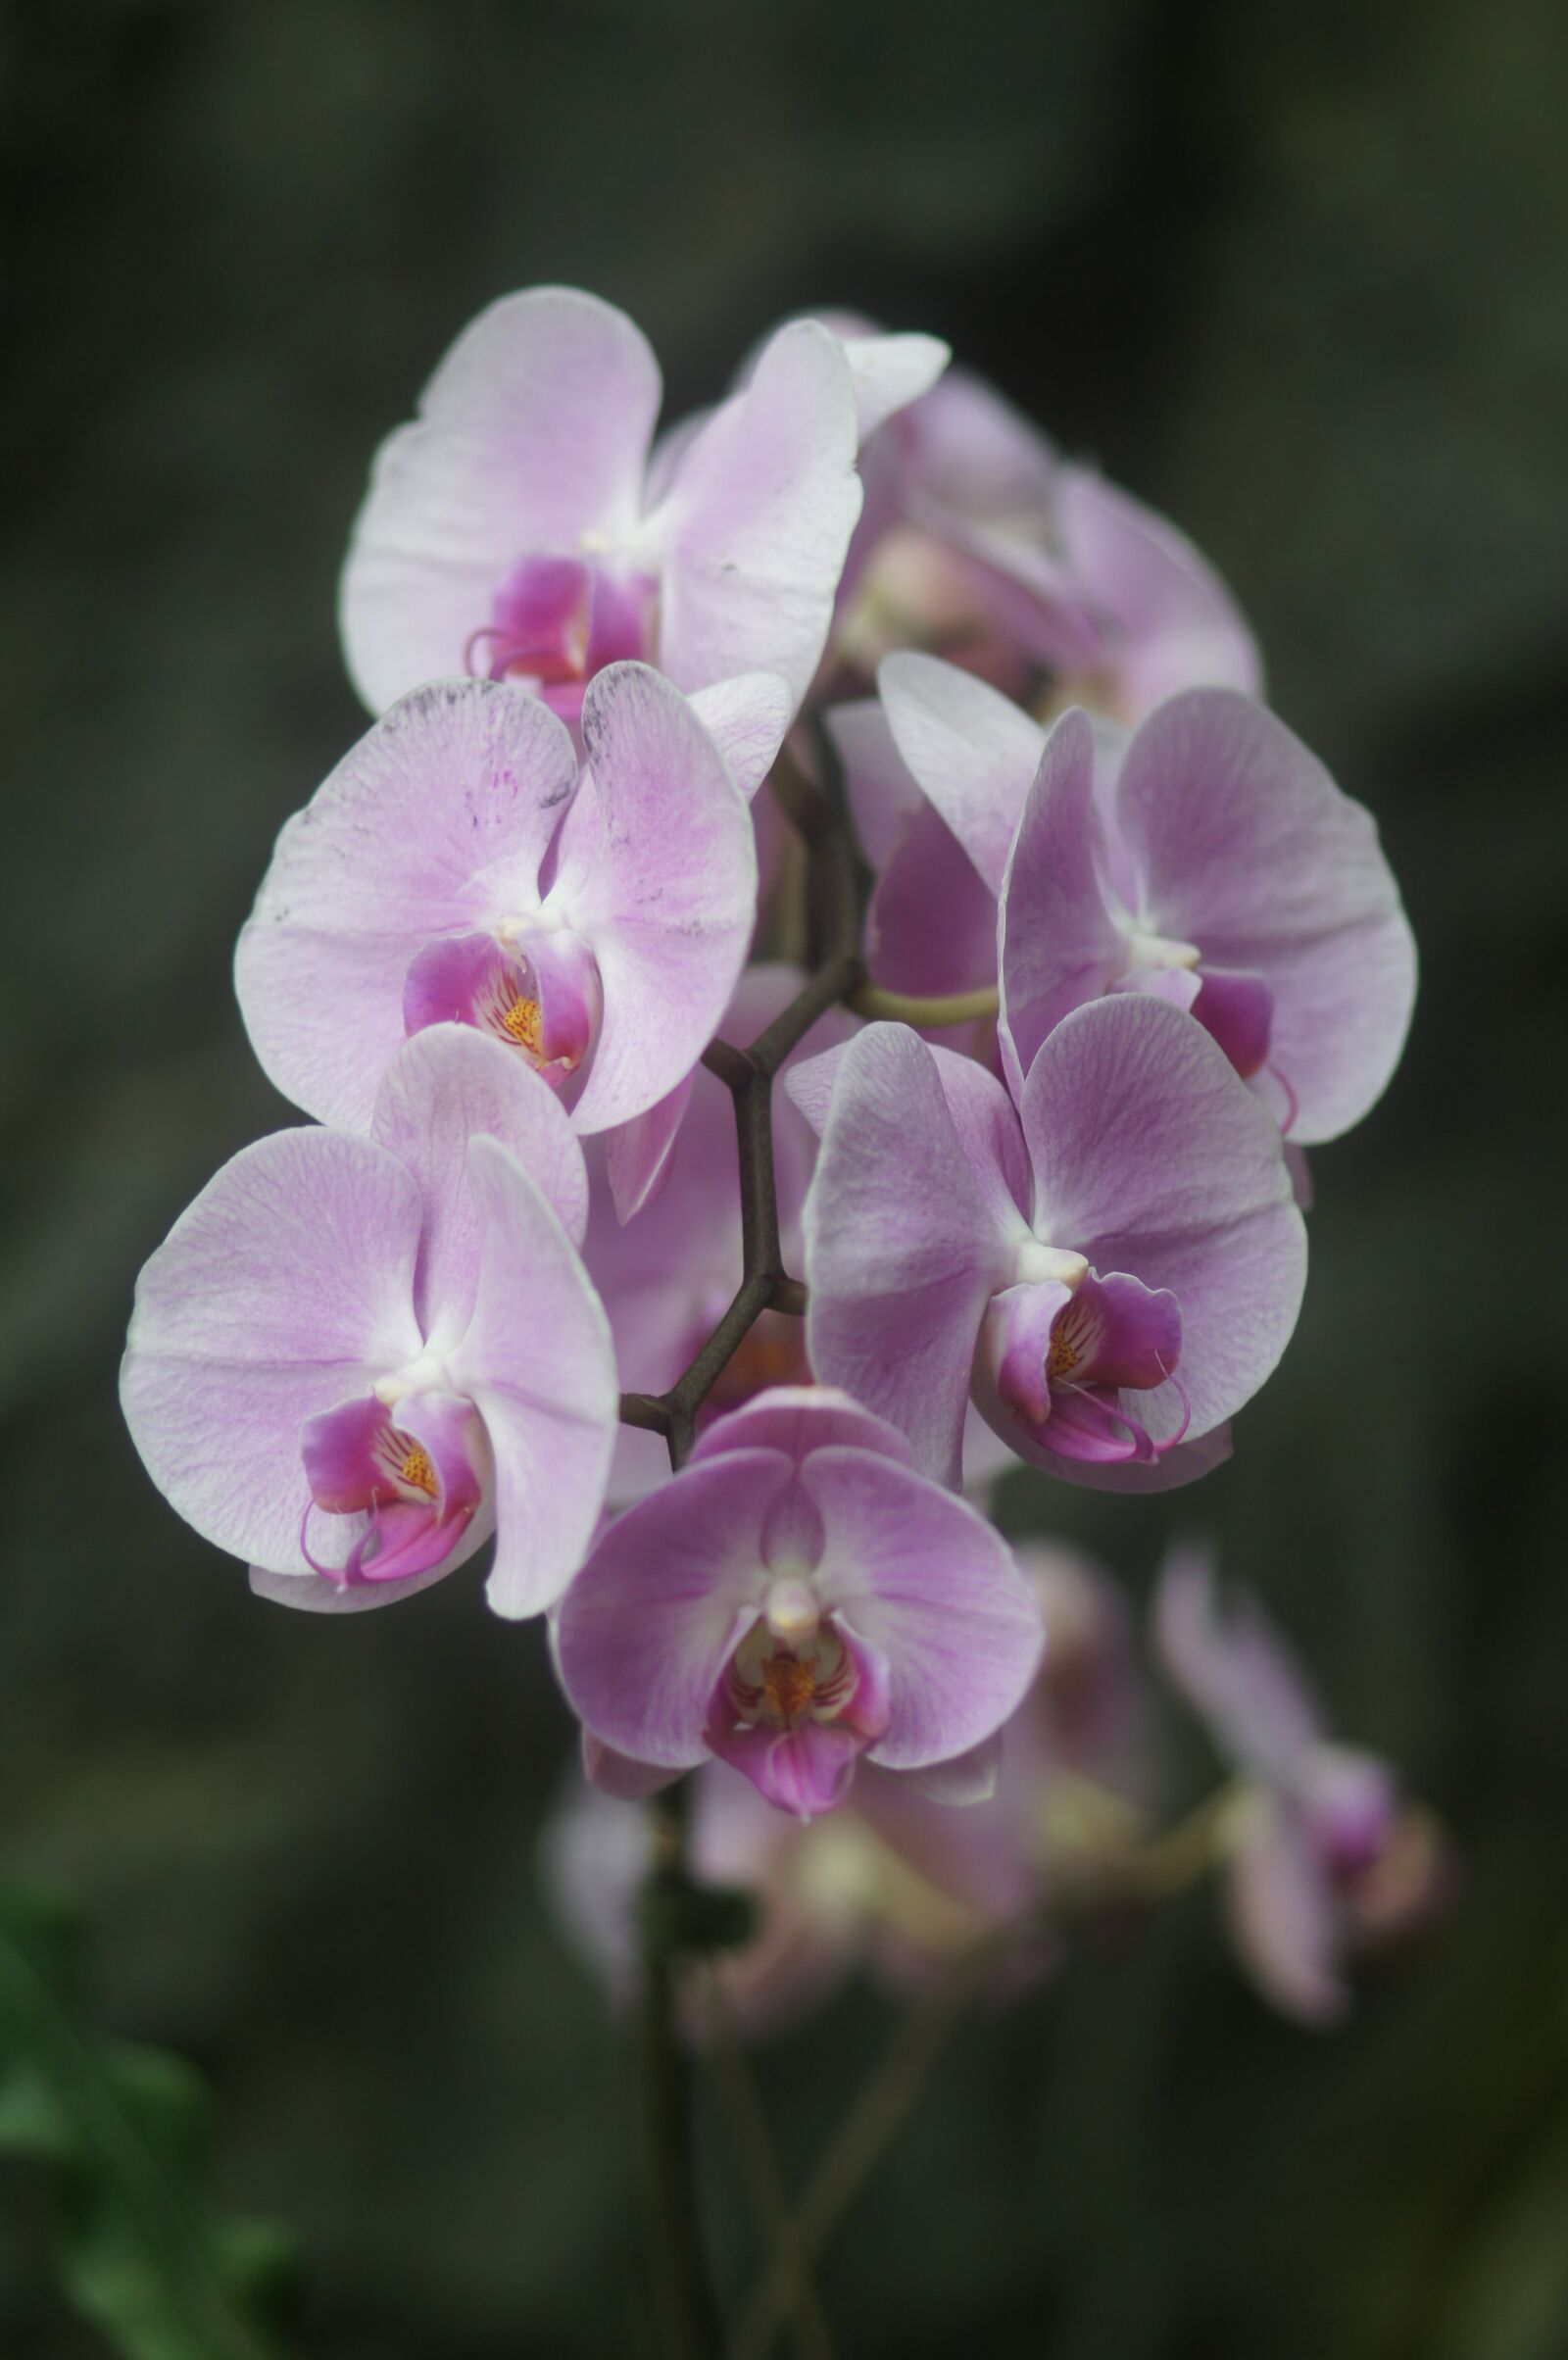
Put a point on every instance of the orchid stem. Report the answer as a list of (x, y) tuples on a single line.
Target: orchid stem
[(688, 2324), (1144, 1872), (928, 1011), (753, 2147)]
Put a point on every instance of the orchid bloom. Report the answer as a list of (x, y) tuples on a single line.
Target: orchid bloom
[(800, 1596), (458, 867), (895, 1879), (516, 529), (354, 1358), (980, 541), (1113, 1267), (1208, 860), (1324, 1858)]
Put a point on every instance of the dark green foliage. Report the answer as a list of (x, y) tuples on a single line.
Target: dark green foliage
[(125, 2131)]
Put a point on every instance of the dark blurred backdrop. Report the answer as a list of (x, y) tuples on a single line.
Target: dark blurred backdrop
[(1299, 276)]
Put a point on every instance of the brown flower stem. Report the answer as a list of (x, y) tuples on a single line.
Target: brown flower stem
[(1137, 1874), (755, 2151)]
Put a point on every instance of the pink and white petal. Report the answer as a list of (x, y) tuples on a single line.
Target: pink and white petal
[(1174, 625), (1057, 944), (932, 921), (533, 430), (647, 1626), (967, 1779), (446, 1086), (1151, 1157), (798, 1419), (932, 1587), (756, 521), (639, 1154), (284, 1290), (903, 1248), (1234, 1668), (437, 821), (883, 793), (538, 1363), (1282, 1915), (746, 718), (667, 897), (973, 752), (1248, 848), (891, 371), (982, 1115)]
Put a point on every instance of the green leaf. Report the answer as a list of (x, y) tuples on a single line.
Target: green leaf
[(125, 2129)]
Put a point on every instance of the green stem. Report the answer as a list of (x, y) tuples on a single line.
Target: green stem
[(924, 1010)]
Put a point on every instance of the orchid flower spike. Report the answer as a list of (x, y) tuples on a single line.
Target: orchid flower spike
[(800, 1596), (1208, 860), (353, 1360), (1324, 1858), (518, 528), (456, 866), (1112, 1270)]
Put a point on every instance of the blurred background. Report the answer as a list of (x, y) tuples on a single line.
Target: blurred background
[(1297, 277)]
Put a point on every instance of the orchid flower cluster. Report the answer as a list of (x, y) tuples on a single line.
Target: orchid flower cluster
[(586, 885)]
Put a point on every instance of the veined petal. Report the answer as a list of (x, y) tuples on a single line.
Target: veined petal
[(449, 803), (746, 718), (533, 431), (798, 1419), (647, 1626), (666, 894), (1246, 847), (1057, 944), (804, 1771), (758, 518), (973, 752), (285, 1288), (1151, 1157), (903, 1248), (933, 1587), (538, 1364), (1172, 622), (446, 1086)]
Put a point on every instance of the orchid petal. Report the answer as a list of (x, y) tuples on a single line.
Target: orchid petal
[(974, 753), (538, 1363), (1152, 1157), (446, 1086), (533, 431), (1246, 847), (903, 1248), (287, 1287), (758, 518), (440, 816), (666, 897), (1234, 1668), (928, 1583), (746, 718), (647, 1626), (1056, 942)]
